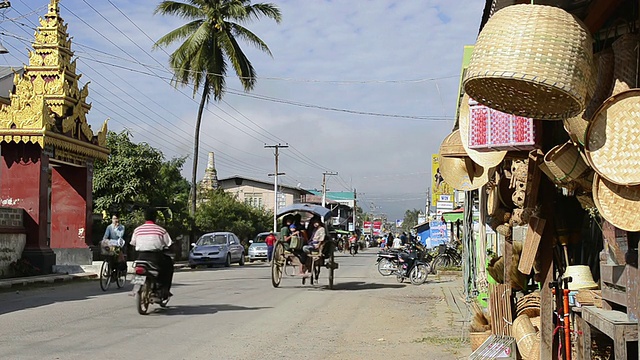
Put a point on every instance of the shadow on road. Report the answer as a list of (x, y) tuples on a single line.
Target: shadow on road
[(203, 309), (361, 285)]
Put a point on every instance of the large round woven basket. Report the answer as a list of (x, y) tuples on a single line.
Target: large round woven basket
[(625, 51), (534, 61), (483, 158), (604, 81), (461, 173), (564, 162), (478, 338), (524, 332), (618, 204), (612, 146)]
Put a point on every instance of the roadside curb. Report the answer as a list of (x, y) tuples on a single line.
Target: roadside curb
[(44, 279)]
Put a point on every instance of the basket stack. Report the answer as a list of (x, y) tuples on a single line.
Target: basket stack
[(534, 61), (529, 305)]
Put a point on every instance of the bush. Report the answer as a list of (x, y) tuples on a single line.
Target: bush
[(22, 267)]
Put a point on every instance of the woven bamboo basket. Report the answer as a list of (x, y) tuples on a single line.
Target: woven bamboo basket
[(482, 158), (612, 147), (619, 205), (534, 353), (549, 77), (478, 338), (604, 82), (565, 163), (461, 173), (524, 332), (493, 201), (625, 51)]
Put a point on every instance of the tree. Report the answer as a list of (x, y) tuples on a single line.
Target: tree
[(410, 219), (210, 43), (136, 176), (221, 211)]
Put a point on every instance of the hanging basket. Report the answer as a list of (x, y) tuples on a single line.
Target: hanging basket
[(625, 51), (619, 205), (534, 61), (612, 145), (565, 163)]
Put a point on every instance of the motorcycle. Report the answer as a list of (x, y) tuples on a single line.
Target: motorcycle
[(412, 267), (353, 248), (387, 262), (146, 287)]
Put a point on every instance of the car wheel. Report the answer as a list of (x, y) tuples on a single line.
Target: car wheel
[(192, 266), (241, 262), (251, 260), (227, 262)]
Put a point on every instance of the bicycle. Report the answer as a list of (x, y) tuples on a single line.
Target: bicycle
[(109, 271)]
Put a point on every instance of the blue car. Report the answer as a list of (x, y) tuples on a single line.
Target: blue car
[(216, 248)]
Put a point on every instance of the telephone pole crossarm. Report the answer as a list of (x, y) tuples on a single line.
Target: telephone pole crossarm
[(275, 175), (324, 186)]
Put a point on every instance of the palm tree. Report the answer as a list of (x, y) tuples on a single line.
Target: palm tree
[(210, 42)]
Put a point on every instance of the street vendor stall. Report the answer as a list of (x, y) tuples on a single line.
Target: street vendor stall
[(547, 133)]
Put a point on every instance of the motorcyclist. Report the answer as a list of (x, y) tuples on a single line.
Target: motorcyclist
[(150, 240)]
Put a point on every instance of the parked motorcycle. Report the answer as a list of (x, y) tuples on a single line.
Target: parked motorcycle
[(412, 267), (387, 262), (146, 287)]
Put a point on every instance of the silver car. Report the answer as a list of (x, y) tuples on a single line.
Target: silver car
[(216, 248), (258, 248)]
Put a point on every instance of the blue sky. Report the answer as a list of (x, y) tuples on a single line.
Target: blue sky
[(396, 61)]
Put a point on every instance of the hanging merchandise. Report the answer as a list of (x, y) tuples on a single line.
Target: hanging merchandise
[(461, 173), (625, 51), (618, 204), (581, 277), (534, 61), (565, 163), (612, 146), (484, 158), (490, 130)]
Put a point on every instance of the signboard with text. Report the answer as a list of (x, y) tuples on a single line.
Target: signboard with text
[(438, 186), (438, 233)]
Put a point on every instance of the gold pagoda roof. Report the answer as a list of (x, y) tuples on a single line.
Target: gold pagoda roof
[(48, 107)]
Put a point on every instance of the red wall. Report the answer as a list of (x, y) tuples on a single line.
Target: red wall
[(68, 207), (24, 184)]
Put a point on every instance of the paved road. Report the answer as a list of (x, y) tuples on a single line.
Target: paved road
[(234, 313)]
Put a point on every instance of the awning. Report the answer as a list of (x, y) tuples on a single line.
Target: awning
[(453, 216)]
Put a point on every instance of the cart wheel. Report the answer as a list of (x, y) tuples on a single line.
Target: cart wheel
[(331, 269), (277, 264)]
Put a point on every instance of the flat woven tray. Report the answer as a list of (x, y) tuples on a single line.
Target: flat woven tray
[(612, 146), (619, 205)]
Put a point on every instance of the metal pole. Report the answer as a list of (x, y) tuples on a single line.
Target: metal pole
[(324, 186), (275, 184), (354, 209)]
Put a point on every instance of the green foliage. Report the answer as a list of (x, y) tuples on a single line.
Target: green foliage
[(136, 176), (410, 219), (221, 211)]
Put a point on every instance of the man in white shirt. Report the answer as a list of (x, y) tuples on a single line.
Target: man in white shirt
[(150, 240)]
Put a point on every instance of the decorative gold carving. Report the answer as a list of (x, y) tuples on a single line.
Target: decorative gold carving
[(102, 134)]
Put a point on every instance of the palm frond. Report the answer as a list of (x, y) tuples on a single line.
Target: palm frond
[(245, 34), (180, 33), (185, 11), (263, 9), (239, 60)]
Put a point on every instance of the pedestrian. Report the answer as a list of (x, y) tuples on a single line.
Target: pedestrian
[(403, 238), (270, 240)]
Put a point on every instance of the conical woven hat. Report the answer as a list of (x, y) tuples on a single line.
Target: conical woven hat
[(452, 146), (612, 146), (618, 204), (482, 158), (461, 173), (581, 277)]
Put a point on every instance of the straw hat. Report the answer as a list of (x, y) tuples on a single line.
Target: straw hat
[(482, 158), (552, 72), (619, 205), (612, 146), (581, 277), (452, 146), (461, 173)]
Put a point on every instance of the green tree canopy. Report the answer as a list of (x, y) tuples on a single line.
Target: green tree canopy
[(410, 219), (221, 211), (136, 176)]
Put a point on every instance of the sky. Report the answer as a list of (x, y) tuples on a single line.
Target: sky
[(366, 89)]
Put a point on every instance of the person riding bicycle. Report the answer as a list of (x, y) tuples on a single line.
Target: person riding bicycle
[(150, 240), (114, 234)]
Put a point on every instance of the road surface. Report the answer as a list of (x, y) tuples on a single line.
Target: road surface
[(235, 313)]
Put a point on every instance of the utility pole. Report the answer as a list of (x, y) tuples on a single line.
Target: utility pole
[(324, 186), (428, 207), (275, 183), (354, 209)]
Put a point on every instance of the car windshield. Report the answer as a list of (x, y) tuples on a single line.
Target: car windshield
[(219, 239), (260, 238)]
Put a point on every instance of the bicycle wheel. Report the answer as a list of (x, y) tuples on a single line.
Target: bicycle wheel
[(105, 275), (121, 278)]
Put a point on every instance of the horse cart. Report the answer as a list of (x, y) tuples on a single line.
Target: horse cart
[(286, 261)]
